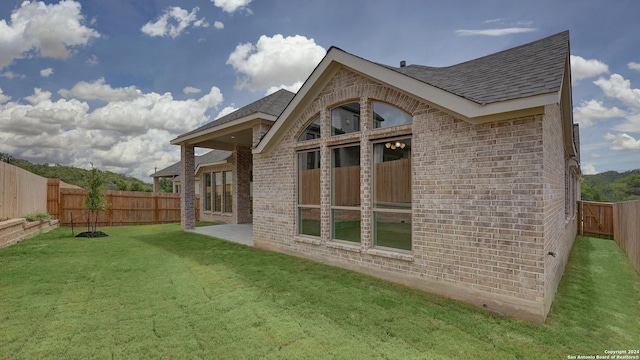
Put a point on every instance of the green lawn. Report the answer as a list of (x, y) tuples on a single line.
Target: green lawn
[(153, 292)]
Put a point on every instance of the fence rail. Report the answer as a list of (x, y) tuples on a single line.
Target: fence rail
[(21, 192), (123, 207)]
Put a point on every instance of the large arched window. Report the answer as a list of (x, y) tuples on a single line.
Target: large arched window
[(386, 115), (312, 131), (345, 119)]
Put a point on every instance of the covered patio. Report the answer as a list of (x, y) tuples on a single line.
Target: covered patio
[(237, 233), (225, 186)]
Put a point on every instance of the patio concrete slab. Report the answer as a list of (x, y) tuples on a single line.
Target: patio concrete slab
[(238, 233)]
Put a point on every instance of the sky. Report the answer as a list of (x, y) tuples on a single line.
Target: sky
[(110, 83)]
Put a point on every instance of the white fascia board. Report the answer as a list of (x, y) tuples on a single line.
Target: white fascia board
[(210, 164), (297, 99), (467, 110), (236, 122), (431, 94)]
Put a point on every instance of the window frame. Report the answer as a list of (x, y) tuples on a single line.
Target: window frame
[(306, 129), (375, 209), (214, 203), (299, 206), (373, 114), (207, 191), (227, 204), (332, 206), (354, 117)]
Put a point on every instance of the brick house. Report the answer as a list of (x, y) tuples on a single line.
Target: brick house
[(459, 180)]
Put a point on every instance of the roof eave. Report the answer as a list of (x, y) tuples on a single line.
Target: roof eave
[(466, 110), (245, 119), (221, 162)]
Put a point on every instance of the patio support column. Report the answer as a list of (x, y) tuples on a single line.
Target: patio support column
[(243, 187), (156, 184), (188, 194)]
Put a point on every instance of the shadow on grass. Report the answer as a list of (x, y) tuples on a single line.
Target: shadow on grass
[(582, 320)]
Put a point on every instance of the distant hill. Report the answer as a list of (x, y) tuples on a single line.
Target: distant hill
[(78, 176), (611, 186)]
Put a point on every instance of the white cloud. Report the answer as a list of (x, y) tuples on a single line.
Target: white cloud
[(592, 110), (4, 98), (129, 136), (633, 66), (588, 169), (275, 61), (231, 6), (619, 88), (47, 30), (293, 88), (582, 68), (46, 72), (38, 96), (92, 60), (495, 32), (191, 90), (98, 90), (173, 22), (622, 142), (226, 111), (218, 25), (12, 75)]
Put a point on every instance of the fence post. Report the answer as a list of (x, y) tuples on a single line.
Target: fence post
[(579, 222), (110, 209), (156, 215)]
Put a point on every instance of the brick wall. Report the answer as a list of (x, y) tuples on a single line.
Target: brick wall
[(187, 200), (478, 195), (560, 224)]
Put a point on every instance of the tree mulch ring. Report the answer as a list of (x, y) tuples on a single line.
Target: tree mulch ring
[(92, 234)]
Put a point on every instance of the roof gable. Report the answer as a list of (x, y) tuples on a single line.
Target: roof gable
[(271, 105), (525, 77), (527, 70), (212, 157)]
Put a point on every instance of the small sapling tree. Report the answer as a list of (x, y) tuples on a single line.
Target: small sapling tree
[(95, 201)]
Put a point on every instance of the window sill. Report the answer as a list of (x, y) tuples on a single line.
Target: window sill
[(307, 240), (337, 244), (390, 254)]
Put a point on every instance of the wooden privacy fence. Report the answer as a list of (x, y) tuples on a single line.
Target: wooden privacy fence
[(617, 221), (597, 219), (21, 192), (626, 229), (123, 207)]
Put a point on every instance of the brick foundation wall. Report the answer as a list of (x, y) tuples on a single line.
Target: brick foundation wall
[(478, 195)]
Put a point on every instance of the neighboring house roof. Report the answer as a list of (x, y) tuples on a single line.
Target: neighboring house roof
[(212, 157), (529, 76), (527, 70), (272, 104)]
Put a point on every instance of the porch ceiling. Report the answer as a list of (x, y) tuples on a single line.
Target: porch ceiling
[(225, 140)]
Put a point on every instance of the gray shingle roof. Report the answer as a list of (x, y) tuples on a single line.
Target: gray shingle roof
[(212, 156), (273, 104), (531, 69)]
